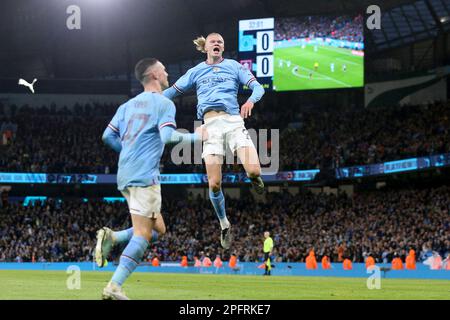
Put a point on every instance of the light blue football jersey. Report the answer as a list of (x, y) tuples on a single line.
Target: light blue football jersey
[(138, 122), (216, 84)]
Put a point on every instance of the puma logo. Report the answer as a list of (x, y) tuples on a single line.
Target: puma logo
[(26, 84)]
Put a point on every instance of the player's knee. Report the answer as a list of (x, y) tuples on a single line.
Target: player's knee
[(162, 230), (214, 185), (160, 226), (144, 233), (254, 171)]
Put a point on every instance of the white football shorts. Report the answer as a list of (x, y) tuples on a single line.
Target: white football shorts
[(144, 201), (225, 130)]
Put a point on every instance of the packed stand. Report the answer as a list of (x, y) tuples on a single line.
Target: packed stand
[(339, 28), (383, 224), (69, 141), (367, 136)]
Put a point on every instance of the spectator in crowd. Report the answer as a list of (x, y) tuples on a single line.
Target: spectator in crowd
[(339, 28), (63, 141), (373, 222)]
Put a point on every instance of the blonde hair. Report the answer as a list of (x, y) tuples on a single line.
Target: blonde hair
[(200, 42)]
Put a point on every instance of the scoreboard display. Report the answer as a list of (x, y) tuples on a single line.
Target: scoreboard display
[(256, 40), (304, 53)]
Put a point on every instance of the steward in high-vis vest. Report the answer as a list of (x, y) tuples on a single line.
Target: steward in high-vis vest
[(347, 264), (326, 263), (268, 246), (311, 262), (411, 260)]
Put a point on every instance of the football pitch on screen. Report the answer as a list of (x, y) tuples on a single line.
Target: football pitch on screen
[(297, 71), (52, 285)]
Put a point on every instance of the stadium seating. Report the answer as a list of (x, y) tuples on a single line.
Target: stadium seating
[(382, 224), (51, 140)]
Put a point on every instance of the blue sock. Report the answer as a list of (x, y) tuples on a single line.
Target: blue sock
[(130, 259), (218, 202), (123, 236)]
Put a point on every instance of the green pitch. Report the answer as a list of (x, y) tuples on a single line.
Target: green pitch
[(288, 78), (52, 285)]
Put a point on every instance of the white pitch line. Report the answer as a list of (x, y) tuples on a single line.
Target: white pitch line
[(338, 50), (305, 77), (354, 63), (329, 78), (326, 77), (335, 50), (300, 75)]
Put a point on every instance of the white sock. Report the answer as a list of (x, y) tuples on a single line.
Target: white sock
[(224, 223)]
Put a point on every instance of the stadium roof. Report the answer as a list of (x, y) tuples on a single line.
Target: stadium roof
[(410, 22), (114, 34)]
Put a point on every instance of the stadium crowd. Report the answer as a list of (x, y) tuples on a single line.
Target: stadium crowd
[(62, 140), (383, 224), (339, 28), (367, 136), (69, 141)]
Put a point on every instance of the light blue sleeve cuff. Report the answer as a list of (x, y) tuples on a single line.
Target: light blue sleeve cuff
[(170, 93), (169, 136), (258, 91)]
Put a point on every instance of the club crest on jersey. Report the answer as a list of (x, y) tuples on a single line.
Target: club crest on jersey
[(216, 69)]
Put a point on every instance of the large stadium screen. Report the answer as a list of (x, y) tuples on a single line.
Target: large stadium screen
[(304, 53)]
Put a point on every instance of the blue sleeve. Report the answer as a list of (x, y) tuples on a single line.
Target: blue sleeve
[(167, 126), (170, 135), (247, 78), (257, 91), (112, 139), (111, 135), (182, 85), (166, 116), (170, 93), (245, 75)]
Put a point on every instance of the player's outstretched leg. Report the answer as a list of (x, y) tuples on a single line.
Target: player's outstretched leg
[(130, 258), (214, 171), (250, 161)]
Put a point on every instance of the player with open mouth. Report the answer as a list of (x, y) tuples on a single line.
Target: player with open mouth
[(217, 82)]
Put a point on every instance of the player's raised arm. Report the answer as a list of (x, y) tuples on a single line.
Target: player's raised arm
[(247, 78), (111, 135)]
